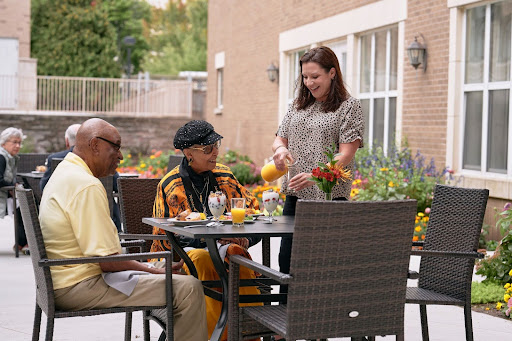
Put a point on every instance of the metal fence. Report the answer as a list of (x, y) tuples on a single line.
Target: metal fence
[(140, 97)]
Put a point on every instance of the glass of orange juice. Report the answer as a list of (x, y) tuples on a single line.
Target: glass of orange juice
[(238, 211)]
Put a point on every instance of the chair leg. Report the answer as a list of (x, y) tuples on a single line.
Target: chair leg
[(424, 322), (400, 337), (37, 324), (128, 327), (468, 322), (145, 325), (162, 337), (49, 328)]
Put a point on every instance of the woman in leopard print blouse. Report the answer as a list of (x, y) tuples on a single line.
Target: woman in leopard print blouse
[(322, 114)]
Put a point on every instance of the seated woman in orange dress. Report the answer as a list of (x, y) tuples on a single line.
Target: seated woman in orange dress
[(186, 187)]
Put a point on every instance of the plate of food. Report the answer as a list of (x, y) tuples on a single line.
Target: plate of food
[(37, 172), (226, 219), (187, 218)]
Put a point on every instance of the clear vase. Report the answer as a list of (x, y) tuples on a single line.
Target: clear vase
[(328, 196)]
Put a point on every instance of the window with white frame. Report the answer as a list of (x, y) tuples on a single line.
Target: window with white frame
[(378, 64), (293, 73), (220, 88), (340, 50), (486, 90)]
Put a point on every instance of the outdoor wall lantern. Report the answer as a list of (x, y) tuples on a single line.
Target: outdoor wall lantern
[(418, 53), (272, 72)]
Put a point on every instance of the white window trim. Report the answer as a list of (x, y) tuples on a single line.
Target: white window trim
[(220, 61)]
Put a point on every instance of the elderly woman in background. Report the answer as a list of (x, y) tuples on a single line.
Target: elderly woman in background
[(10, 144), (187, 187)]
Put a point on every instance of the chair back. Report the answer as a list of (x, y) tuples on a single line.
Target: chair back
[(108, 183), (137, 196), (55, 163), (455, 222), (43, 278), (174, 160), (349, 264), (29, 161)]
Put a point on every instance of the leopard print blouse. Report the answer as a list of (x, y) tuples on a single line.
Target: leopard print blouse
[(310, 131)]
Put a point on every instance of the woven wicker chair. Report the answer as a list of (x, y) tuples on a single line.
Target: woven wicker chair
[(136, 199), (174, 160), (108, 183), (449, 252), (45, 300), (342, 283), (55, 162)]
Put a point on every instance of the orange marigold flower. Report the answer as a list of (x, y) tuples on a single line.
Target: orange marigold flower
[(415, 238)]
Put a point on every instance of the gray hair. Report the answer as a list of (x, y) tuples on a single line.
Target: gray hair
[(71, 133), (9, 133)]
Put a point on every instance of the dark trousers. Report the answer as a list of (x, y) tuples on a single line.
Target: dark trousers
[(285, 251), (22, 237)]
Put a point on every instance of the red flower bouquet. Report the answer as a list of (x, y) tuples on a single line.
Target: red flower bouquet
[(327, 175)]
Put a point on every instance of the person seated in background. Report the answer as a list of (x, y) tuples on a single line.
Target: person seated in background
[(75, 222), (10, 145), (187, 187), (70, 138)]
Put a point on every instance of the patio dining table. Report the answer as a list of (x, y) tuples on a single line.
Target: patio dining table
[(282, 227), (31, 181)]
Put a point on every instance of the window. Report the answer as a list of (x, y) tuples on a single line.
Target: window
[(378, 64), (293, 74), (486, 89), (220, 88)]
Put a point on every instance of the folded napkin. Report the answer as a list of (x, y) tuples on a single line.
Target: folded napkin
[(123, 281)]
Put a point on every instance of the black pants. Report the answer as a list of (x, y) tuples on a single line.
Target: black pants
[(22, 237), (285, 251)]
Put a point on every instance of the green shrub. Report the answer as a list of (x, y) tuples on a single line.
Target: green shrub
[(482, 293), (244, 169), (396, 176)]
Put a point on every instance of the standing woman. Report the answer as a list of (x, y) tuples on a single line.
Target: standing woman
[(10, 144), (322, 114)]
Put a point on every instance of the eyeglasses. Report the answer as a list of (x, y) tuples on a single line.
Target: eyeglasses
[(209, 148), (115, 145), (15, 142)]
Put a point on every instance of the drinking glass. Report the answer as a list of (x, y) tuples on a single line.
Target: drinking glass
[(238, 211), (270, 201), (217, 205)]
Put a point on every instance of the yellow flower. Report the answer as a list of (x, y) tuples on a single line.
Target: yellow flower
[(499, 305), (129, 156), (152, 157), (506, 297), (417, 229), (510, 273), (384, 169), (487, 308), (143, 165), (121, 162), (506, 286), (420, 214), (391, 184)]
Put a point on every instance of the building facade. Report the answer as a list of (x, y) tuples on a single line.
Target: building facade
[(457, 110)]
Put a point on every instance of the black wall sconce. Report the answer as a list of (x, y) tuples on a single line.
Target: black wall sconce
[(272, 72), (418, 53)]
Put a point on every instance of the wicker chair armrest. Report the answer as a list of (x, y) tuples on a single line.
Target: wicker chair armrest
[(262, 269), (7, 188), (458, 254), (418, 243), (142, 236), (132, 243), (124, 257), (413, 274)]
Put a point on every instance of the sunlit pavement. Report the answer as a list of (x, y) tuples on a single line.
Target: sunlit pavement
[(17, 305)]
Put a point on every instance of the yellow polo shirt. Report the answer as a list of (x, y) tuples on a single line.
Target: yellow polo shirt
[(75, 221)]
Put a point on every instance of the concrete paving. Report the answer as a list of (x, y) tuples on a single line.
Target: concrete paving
[(17, 304)]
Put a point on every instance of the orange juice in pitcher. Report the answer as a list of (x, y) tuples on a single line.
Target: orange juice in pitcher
[(270, 173)]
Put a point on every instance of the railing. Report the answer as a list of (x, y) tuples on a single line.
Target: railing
[(108, 96)]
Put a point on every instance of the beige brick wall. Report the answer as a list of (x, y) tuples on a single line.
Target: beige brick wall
[(425, 94), (15, 23)]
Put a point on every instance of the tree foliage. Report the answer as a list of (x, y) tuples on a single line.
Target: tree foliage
[(84, 37), (73, 38), (178, 36)]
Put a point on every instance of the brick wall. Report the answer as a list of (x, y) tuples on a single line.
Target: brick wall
[(15, 23), (425, 97)]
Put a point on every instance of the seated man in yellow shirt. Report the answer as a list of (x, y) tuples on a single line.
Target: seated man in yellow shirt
[(75, 222)]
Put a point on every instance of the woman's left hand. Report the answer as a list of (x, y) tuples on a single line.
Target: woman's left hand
[(243, 242), (300, 181)]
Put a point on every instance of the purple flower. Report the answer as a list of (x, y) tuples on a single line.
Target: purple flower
[(506, 207)]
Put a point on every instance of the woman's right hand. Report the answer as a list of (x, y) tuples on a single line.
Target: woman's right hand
[(281, 156)]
